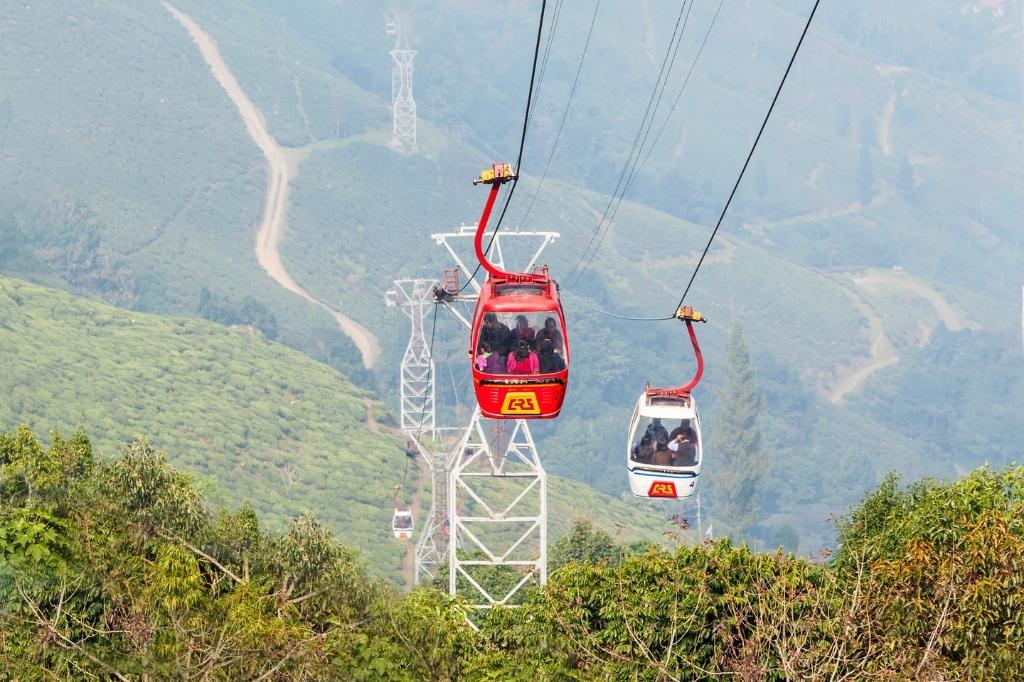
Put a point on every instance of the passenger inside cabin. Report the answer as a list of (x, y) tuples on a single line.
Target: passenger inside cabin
[(685, 429), (551, 333), (662, 455), (488, 361), (642, 452), (523, 331), (550, 360), (522, 360), (657, 432), (684, 449), (496, 334)]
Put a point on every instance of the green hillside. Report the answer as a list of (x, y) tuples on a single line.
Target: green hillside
[(250, 419)]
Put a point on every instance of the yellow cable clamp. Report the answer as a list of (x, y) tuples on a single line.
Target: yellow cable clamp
[(498, 173), (687, 313)]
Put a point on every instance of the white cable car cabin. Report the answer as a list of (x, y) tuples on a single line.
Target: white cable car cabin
[(660, 462), (665, 449), (402, 524)]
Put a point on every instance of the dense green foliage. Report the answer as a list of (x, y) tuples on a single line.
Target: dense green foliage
[(120, 569)]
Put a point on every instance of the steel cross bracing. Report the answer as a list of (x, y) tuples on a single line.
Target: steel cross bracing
[(417, 391), (403, 106), (418, 416), (497, 503), (432, 546), (497, 487)]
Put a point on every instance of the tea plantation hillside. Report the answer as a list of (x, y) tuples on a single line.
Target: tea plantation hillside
[(250, 419)]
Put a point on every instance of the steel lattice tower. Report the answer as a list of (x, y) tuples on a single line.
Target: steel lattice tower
[(403, 106), (497, 487), (418, 415)]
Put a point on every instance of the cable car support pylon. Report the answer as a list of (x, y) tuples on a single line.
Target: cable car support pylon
[(497, 487)]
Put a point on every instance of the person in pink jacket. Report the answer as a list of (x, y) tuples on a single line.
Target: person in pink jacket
[(522, 360)]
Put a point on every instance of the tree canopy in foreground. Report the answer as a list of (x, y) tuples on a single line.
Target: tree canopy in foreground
[(119, 569)]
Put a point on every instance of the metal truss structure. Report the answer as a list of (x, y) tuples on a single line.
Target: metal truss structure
[(497, 503), (497, 487), (403, 106), (488, 515), (417, 391)]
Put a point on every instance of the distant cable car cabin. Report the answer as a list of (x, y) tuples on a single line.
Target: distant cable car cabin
[(665, 449), (519, 344), (402, 524), (401, 520)]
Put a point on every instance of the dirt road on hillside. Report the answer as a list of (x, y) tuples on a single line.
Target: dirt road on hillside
[(882, 353), (281, 167), (878, 281)]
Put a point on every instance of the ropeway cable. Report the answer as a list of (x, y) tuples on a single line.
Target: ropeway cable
[(746, 163)]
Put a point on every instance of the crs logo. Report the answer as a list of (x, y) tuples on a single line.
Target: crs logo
[(662, 489), (520, 402)]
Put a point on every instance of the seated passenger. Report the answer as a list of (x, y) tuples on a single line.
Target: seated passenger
[(662, 455), (551, 333), (496, 334), (522, 360), (488, 361), (550, 360), (685, 451), (642, 452), (657, 431), (523, 331), (685, 429)]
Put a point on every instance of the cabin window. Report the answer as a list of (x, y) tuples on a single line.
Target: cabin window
[(521, 343), (656, 441)]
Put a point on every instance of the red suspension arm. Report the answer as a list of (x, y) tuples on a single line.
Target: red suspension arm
[(700, 360), (481, 228), (498, 175), (689, 316)]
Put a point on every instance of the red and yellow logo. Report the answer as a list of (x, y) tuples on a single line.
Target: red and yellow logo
[(662, 489), (520, 402)]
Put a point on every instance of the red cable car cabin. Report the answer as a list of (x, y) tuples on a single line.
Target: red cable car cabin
[(519, 344)]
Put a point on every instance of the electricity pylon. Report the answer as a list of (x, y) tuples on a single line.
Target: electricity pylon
[(403, 106)]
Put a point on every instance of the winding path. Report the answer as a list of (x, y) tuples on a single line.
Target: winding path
[(281, 168), (883, 354)]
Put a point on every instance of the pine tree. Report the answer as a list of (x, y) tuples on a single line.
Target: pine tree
[(738, 458)]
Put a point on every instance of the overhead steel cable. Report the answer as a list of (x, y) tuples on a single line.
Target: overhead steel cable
[(746, 163), (650, 150), (555, 14), (659, 86), (522, 142), (682, 88), (718, 224), (565, 114)]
